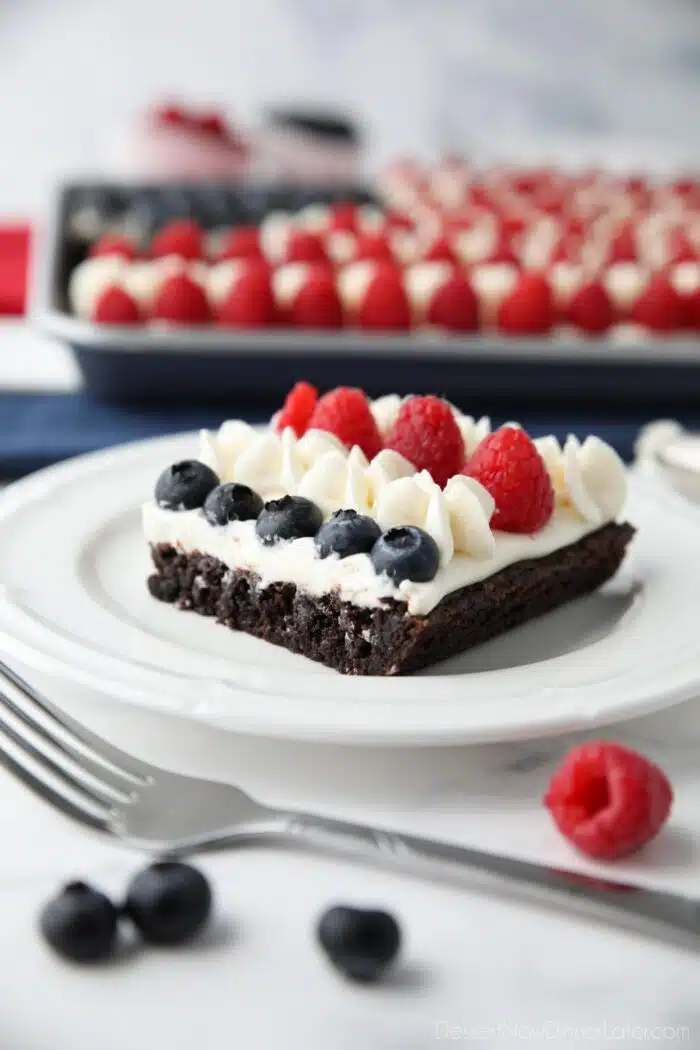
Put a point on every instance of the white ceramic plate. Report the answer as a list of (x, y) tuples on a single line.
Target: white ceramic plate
[(73, 600)]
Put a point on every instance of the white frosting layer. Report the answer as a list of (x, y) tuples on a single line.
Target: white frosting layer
[(353, 578)]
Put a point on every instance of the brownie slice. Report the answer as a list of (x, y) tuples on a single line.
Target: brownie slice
[(386, 640)]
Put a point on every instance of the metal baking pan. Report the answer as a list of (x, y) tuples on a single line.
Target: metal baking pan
[(217, 365)]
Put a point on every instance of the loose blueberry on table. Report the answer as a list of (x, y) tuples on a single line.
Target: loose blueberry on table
[(80, 923), (347, 532), (360, 942), (168, 902), (185, 485), (231, 502), (288, 518)]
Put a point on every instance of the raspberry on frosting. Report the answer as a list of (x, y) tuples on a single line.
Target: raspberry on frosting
[(426, 434), (297, 409), (346, 413), (513, 472)]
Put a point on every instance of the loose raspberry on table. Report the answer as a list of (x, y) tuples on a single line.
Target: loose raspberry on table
[(345, 412), (509, 466), (426, 434), (607, 800), (297, 409)]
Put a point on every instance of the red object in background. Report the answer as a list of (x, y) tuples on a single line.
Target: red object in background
[(15, 243)]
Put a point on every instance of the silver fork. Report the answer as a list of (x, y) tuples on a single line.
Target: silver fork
[(164, 813)]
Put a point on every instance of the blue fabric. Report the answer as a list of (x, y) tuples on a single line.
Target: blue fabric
[(39, 429)]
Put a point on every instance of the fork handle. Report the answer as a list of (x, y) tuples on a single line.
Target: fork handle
[(670, 916)]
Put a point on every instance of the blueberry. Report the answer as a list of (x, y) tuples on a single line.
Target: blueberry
[(185, 485), (288, 518), (231, 502), (80, 923), (406, 553), (169, 902), (347, 532), (360, 942)]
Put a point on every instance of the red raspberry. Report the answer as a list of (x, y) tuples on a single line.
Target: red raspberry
[(590, 308), (568, 249), (303, 246), (680, 247), (170, 116), (343, 216), (113, 244), (115, 306), (502, 251), (180, 300), (454, 306), (512, 225), (345, 412), (243, 242), (384, 306), (439, 251), (529, 308), (623, 246), (607, 800), (509, 466), (316, 303), (212, 124), (426, 434), (250, 302), (373, 247), (659, 308), (182, 237), (297, 409), (692, 310)]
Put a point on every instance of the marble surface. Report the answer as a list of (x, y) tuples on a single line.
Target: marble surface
[(476, 969)]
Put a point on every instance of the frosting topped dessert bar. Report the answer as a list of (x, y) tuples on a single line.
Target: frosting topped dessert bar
[(382, 536)]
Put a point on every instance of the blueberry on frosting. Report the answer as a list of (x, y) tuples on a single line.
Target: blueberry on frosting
[(406, 553), (347, 532), (185, 485), (288, 518), (231, 502)]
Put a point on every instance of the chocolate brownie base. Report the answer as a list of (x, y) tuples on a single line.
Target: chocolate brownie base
[(386, 640)]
